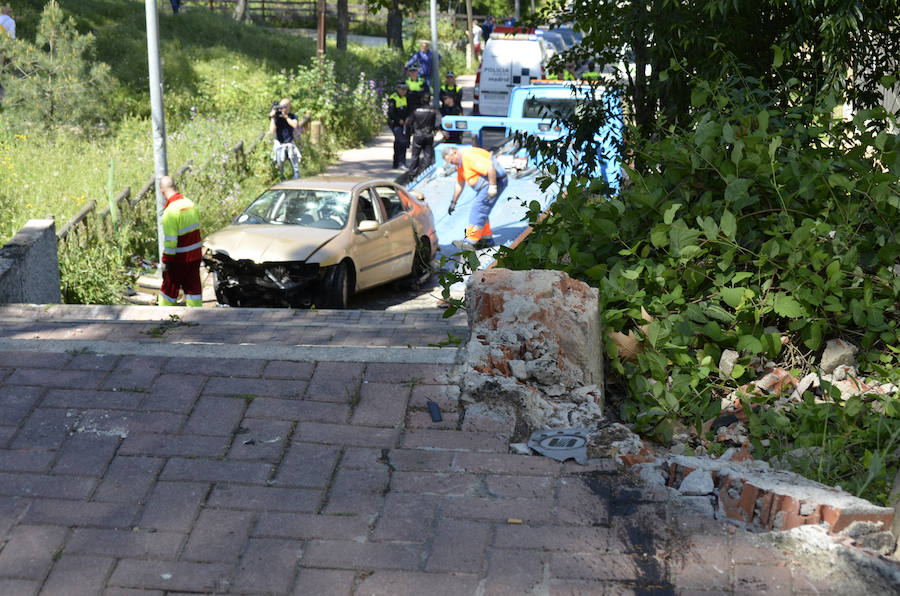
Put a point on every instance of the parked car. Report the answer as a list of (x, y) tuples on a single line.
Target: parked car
[(553, 39), (568, 34), (317, 241)]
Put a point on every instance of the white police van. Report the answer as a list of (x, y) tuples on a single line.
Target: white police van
[(508, 60)]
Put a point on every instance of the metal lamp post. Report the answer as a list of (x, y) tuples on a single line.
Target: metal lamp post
[(157, 115)]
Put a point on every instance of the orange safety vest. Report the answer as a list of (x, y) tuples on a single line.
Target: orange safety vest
[(474, 163)]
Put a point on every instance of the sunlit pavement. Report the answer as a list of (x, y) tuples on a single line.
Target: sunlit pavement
[(253, 451)]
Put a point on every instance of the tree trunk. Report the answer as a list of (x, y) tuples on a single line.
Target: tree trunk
[(395, 26), (241, 13), (343, 24)]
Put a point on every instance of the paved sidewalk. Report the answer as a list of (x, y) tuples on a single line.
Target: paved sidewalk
[(144, 451)]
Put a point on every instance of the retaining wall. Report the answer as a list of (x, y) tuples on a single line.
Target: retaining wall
[(29, 265)]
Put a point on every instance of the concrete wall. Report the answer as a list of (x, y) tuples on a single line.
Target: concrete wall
[(29, 266)]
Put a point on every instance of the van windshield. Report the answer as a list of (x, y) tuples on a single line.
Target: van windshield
[(545, 107)]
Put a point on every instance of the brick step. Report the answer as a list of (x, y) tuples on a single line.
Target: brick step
[(363, 335)]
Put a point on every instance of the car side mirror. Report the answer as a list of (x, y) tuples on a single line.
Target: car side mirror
[(367, 225)]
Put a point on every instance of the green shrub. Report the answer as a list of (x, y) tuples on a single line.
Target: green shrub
[(751, 229), (93, 272), (335, 99)]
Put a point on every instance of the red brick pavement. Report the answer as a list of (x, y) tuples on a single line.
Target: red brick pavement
[(189, 474)]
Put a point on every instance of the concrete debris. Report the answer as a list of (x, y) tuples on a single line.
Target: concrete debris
[(703, 505), (520, 449), (777, 380), (882, 542), (836, 353), (697, 483), (726, 362), (533, 364), (535, 345), (651, 474), (735, 434), (843, 371), (757, 496), (518, 369), (810, 381)]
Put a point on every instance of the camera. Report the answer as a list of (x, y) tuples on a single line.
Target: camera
[(277, 107)]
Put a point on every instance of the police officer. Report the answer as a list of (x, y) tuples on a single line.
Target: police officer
[(424, 121), (449, 107), (398, 115), (450, 88), (416, 87)]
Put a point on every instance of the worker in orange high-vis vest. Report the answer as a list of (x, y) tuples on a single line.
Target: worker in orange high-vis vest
[(181, 248), (477, 168)]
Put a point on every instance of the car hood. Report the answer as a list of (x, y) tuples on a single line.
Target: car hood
[(269, 243)]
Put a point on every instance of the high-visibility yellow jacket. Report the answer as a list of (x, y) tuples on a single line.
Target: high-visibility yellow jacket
[(181, 231), (398, 110)]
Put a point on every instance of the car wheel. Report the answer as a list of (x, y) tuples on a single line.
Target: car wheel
[(336, 287)]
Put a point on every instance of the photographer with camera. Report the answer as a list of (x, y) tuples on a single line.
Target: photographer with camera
[(285, 126)]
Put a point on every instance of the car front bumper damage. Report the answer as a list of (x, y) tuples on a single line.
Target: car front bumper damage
[(246, 283)]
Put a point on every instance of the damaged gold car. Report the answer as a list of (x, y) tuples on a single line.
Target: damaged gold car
[(317, 241)]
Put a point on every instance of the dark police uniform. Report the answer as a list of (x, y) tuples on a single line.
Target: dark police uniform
[(398, 112)]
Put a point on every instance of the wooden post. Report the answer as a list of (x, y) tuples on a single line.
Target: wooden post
[(315, 132)]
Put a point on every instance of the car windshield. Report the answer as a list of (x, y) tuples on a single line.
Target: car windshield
[(328, 209)]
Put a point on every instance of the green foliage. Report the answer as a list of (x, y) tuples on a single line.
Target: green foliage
[(498, 8), (54, 79), (801, 49), (93, 272), (451, 41), (747, 226), (455, 270), (319, 89), (850, 443)]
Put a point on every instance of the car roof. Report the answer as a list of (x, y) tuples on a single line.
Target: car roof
[(326, 182)]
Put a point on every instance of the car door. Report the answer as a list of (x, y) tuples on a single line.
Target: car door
[(399, 229), (371, 250)]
